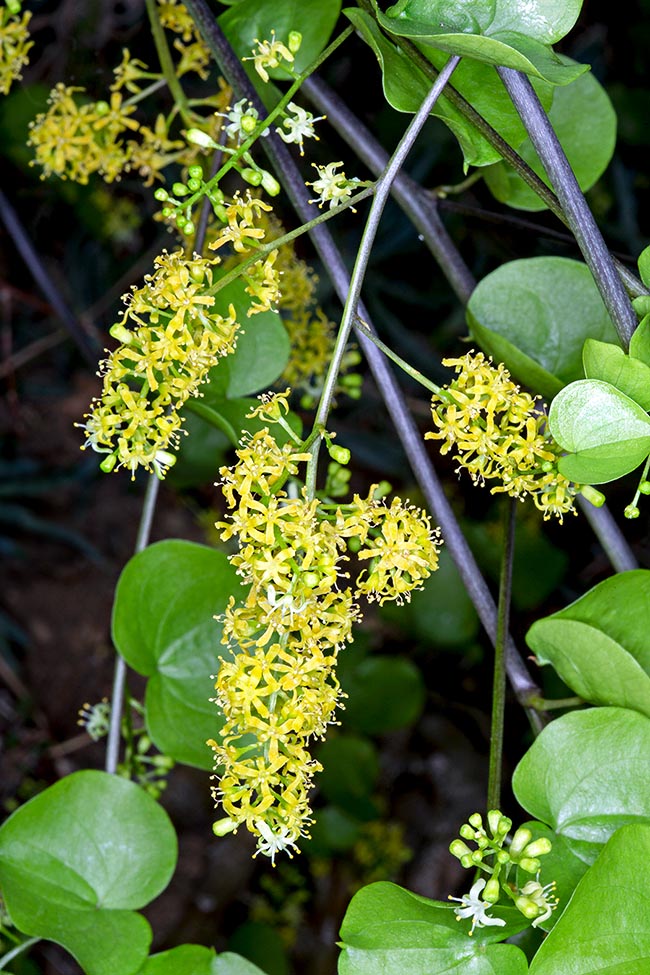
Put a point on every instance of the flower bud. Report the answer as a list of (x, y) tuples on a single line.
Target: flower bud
[(538, 847), (631, 512), (592, 495), (644, 487), (102, 108), (223, 826), (108, 463), (294, 41), (121, 333), (202, 139), (476, 821), (494, 818), (340, 454), (492, 891), (270, 183), (248, 124), (520, 841), (530, 864), (161, 195), (180, 189), (467, 832), (459, 849), (195, 172), (252, 176), (193, 185), (527, 907)]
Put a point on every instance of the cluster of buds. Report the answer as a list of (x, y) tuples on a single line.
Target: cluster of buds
[(498, 857)]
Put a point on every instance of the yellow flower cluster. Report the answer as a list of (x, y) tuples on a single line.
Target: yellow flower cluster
[(176, 337), (194, 53), (14, 46), (498, 431), (278, 689)]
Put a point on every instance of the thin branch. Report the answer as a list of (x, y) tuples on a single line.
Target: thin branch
[(579, 216), (499, 679), (85, 343), (119, 677)]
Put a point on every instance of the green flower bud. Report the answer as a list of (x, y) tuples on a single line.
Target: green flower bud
[(491, 891), (167, 211), (311, 579), (195, 172), (121, 333), (161, 195), (102, 108), (527, 907), (520, 841), (193, 185), (294, 41), (340, 454), (223, 826), (202, 139), (593, 495), (188, 227), (252, 176), (459, 849), (494, 818), (530, 864), (467, 832), (476, 820), (477, 857), (248, 124), (180, 189), (631, 512), (538, 847), (270, 183), (644, 487), (108, 464), (482, 841), (503, 856)]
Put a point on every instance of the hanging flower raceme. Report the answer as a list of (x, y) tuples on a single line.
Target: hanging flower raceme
[(278, 689), (14, 44), (499, 432), (176, 337)]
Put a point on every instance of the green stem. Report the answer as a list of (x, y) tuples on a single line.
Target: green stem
[(23, 946), (278, 242), (149, 90), (499, 681), (382, 191), (166, 62), (554, 704), (119, 677), (265, 123), (362, 327)]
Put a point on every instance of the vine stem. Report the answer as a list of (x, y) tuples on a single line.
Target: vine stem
[(278, 153), (23, 946), (499, 678), (166, 63), (574, 206), (382, 191), (119, 676)]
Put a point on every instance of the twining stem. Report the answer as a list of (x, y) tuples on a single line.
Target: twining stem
[(166, 62), (406, 367), (382, 191), (23, 946), (578, 215), (119, 676), (633, 285), (499, 679)]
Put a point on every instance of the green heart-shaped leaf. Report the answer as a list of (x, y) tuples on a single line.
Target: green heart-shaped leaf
[(586, 775), (389, 930), (605, 928), (164, 627), (77, 861), (197, 960), (607, 433), (518, 314), (601, 360), (585, 123), (640, 341)]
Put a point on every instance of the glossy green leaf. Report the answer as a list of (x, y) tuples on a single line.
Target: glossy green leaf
[(605, 929), (586, 775), (601, 360), (644, 266), (77, 861), (197, 960), (585, 123), (640, 341), (487, 33), (251, 20), (350, 772), (405, 86), (384, 693), (164, 627), (601, 653), (389, 931), (606, 433), (534, 315)]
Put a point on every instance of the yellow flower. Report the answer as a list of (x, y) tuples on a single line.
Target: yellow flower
[(499, 432), (14, 47), (269, 54)]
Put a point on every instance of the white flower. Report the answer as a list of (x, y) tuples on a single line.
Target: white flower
[(270, 843), (301, 127), (475, 908), (332, 187), (541, 897), (242, 118)]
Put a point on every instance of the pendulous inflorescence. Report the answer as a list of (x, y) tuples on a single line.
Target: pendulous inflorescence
[(500, 433), (277, 688)]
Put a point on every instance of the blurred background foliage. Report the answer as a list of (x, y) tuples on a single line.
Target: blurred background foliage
[(407, 762)]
